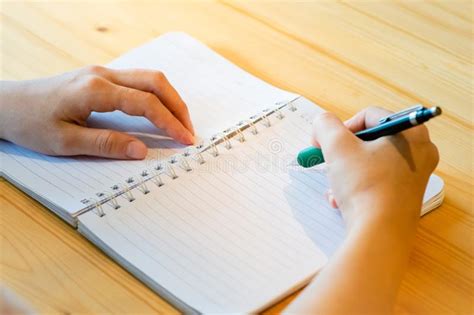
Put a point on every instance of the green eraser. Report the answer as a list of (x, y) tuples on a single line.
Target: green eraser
[(310, 156)]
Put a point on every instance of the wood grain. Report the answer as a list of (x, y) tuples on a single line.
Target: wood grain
[(344, 56)]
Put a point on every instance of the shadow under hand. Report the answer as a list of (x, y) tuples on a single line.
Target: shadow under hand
[(305, 195), (139, 127)]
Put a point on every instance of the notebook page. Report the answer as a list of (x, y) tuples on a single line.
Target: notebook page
[(217, 237), (226, 237), (218, 94)]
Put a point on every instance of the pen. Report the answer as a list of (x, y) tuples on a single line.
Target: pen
[(389, 125)]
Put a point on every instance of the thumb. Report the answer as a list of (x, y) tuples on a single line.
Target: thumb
[(332, 136), (105, 143)]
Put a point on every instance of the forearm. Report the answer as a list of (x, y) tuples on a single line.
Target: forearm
[(364, 275), (13, 95)]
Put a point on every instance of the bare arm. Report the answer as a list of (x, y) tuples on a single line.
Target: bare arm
[(378, 186)]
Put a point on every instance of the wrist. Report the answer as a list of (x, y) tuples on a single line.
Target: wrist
[(390, 212), (13, 96), (383, 237)]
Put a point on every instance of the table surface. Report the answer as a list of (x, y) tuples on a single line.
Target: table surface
[(343, 56)]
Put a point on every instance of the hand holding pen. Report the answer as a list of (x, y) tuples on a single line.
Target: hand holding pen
[(387, 126), (385, 171), (378, 186)]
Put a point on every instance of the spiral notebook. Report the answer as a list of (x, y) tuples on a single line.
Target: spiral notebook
[(229, 225)]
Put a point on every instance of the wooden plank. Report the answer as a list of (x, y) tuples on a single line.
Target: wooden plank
[(343, 56), (51, 266), (374, 47)]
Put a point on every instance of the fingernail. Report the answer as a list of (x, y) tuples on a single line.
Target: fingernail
[(188, 138), (332, 201), (136, 150)]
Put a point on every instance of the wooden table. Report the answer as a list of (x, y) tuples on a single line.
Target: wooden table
[(343, 56)]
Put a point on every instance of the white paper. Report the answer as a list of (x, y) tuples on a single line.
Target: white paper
[(236, 233), (218, 94)]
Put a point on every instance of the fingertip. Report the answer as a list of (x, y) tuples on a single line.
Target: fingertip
[(330, 198), (136, 150), (188, 138), (315, 143), (329, 132), (333, 202), (182, 135)]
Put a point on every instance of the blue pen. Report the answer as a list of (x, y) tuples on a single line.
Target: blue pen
[(390, 125)]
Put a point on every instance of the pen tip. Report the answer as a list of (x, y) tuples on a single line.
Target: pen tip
[(436, 111)]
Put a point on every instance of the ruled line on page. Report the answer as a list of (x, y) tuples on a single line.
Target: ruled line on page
[(198, 219), (218, 95)]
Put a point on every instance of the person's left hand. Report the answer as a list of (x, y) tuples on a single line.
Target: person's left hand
[(49, 115)]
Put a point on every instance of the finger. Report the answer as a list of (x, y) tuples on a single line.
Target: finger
[(331, 199), (154, 82), (332, 135), (102, 142), (367, 118), (108, 96)]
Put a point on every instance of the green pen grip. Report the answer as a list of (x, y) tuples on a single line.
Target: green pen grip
[(310, 156)]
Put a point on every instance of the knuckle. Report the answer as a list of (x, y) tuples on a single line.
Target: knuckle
[(126, 94), (94, 69), (62, 145), (319, 122), (92, 82), (104, 142), (167, 122), (137, 102), (324, 116), (148, 98), (159, 78), (128, 99), (434, 153)]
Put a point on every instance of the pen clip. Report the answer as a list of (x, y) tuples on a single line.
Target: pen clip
[(402, 113)]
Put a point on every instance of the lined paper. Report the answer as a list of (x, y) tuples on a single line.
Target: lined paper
[(228, 236), (218, 94), (237, 232)]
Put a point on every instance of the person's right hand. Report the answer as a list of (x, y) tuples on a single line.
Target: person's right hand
[(384, 179), (378, 186)]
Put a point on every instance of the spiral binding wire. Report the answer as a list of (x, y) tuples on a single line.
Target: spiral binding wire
[(254, 129), (214, 149), (182, 160), (113, 202), (185, 164), (225, 139), (240, 134), (265, 118), (170, 171), (142, 186), (127, 191), (157, 180), (98, 208), (279, 114), (291, 106)]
